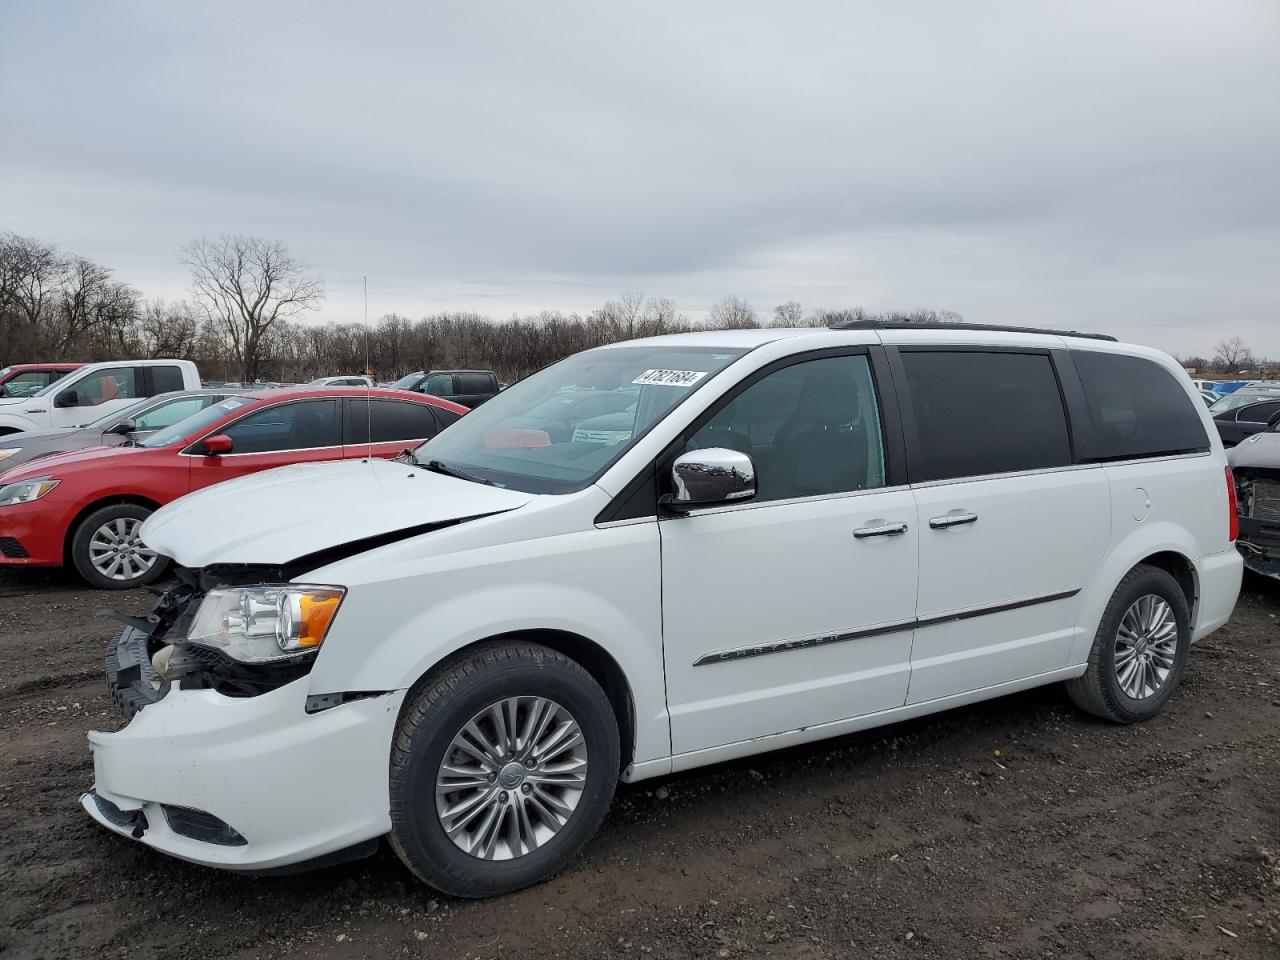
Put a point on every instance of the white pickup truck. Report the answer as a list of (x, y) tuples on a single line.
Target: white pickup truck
[(94, 390)]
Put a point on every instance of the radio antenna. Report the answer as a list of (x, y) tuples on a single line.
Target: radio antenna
[(368, 390)]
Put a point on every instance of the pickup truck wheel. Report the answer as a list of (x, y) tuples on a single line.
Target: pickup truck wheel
[(1140, 650), (107, 552), (502, 768)]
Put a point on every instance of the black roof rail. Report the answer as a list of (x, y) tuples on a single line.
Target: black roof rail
[(945, 325)]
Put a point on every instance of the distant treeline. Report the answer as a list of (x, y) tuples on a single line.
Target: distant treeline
[(58, 306)]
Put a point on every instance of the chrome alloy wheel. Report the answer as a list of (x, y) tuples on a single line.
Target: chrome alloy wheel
[(1146, 645), (511, 778), (116, 552)]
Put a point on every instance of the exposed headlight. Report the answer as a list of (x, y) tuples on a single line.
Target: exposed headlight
[(24, 491), (7, 453), (266, 622)]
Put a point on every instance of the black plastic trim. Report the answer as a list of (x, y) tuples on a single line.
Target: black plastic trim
[(202, 826)]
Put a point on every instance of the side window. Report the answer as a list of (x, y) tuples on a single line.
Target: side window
[(166, 379), (170, 413), (1259, 412), (811, 428), (472, 383), (438, 385), (982, 413), (1137, 407), (445, 417), (25, 384), (391, 420), (301, 425), (101, 386)]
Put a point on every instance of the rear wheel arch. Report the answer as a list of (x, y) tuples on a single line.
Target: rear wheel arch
[(591, 656), (1181, 568)]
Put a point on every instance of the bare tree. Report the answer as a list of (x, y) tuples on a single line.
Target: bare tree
[(247, 284), (89, 299), (789, 314), (30, 272), (625, 313), (167, 329), (1231, 355), (732, 313)]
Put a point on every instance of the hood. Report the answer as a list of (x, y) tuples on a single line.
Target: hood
[(60, 464), (279, 515), (1260, 450), (28, 437)]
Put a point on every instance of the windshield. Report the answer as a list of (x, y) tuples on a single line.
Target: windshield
[(197, 422), (407, 382), (1233, 400), (527, 437), (120, 416)]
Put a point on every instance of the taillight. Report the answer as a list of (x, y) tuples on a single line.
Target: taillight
[(1233, 525)]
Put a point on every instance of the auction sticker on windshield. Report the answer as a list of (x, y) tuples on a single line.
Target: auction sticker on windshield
[(670, 378)]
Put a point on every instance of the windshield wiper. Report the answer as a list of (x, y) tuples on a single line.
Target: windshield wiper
[(435, 466)]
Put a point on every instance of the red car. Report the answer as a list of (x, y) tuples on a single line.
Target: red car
[(86, 507), (24, 379)]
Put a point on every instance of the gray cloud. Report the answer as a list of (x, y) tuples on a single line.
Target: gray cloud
[(1100, 165)]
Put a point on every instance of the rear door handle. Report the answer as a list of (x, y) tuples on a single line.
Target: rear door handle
[(881, 530), (952, 520)]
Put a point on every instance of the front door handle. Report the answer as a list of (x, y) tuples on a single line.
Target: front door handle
[(35, 410), (881, 530), (952, 520)]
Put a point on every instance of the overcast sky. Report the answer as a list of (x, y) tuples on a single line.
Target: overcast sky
[(1109, 166)]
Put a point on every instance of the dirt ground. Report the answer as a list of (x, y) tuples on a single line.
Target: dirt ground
[(1077, 839)]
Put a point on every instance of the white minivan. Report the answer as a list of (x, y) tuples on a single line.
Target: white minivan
[(803, 533)]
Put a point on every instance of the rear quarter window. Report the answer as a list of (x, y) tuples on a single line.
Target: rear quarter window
[(1137, 408)]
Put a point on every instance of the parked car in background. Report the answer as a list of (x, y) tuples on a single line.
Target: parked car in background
[(1243, 397), (1245, 413), (86, 507), (1226, 387), (350, 381), (129, 425), (467, 387), (24, 379), (93, 390), (802, 534), (1209, 397), (1256, 465)]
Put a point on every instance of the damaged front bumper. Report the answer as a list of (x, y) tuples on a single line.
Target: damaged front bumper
[(247, 783)]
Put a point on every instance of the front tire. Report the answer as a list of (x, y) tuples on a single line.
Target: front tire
[(107, 553), (503, 766), (1140, 650)]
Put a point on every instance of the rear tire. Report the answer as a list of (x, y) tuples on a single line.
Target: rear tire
[(107, 553), (1140, 650), (540, 823)]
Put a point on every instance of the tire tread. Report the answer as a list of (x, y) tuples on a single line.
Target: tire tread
[(432, 694), (1090, 691)]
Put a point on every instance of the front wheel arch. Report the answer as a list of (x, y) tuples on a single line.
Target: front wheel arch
[(588, 654)]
